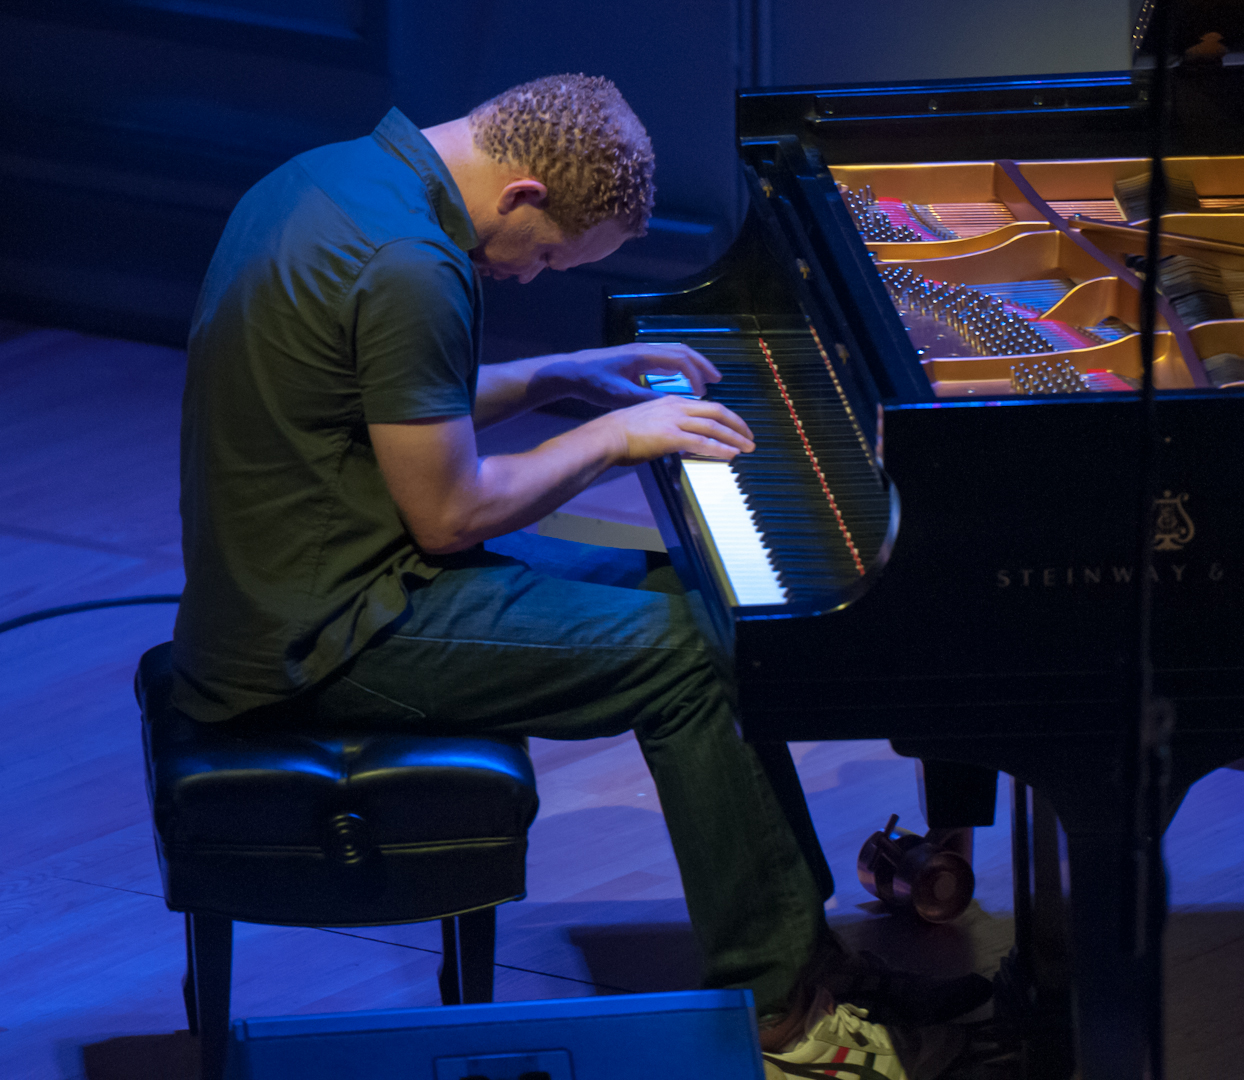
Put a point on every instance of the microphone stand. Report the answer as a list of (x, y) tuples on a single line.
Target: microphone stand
[(1147, 750)]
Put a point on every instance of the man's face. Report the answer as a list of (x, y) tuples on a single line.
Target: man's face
[(525, 241)]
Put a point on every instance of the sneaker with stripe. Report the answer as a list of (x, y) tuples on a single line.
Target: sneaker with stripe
[(842, 1043)]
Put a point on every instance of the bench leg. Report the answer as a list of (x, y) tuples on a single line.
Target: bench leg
[(447, 977), (468, 944), (209, 947), (477, 944), (187, 984)]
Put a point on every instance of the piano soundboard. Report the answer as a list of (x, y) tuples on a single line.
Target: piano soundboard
[(1023, 277)]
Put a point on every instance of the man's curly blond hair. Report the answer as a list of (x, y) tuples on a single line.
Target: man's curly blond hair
[(576, 135)]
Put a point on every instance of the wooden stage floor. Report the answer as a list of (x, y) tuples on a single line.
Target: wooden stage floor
[(90, 959)]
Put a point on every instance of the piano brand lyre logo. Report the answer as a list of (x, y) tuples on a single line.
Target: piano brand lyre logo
[(1172, 527)]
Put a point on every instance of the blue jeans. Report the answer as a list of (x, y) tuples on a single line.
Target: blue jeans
[(490, 646)]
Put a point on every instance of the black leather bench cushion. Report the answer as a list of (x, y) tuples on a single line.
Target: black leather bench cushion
[(342, 828)]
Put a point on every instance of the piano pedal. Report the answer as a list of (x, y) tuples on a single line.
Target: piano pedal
[(930, 875)]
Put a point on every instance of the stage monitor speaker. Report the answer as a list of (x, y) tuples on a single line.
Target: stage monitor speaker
[(697, 1035)]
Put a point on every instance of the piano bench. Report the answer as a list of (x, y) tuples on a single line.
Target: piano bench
[(273, 824)]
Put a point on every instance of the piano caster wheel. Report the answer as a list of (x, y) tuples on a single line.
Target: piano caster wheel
[(907, 871)]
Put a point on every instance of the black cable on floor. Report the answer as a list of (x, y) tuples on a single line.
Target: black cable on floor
[(88, 605)]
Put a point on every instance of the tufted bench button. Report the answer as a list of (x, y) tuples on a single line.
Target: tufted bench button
[(347, 839)]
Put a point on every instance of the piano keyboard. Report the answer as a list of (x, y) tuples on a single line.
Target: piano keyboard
[(805, 514), (743, 557)]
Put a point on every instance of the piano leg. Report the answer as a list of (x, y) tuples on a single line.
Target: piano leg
[(1110, 1008), (776, 761), (1109, 1012), (1078, 775), (955, 799), (956, 795), (1032, 987), (1073, 776), (1060, 945)]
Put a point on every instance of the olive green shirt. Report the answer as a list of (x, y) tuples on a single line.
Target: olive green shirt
[(340, 295)]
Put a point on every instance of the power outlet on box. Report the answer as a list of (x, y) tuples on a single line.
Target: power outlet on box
[(525, 1065)]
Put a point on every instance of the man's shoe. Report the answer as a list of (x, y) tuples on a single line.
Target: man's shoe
[(845, 1043), (839, 1043)]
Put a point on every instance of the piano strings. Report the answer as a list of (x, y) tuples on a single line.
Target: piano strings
[(954, 311)]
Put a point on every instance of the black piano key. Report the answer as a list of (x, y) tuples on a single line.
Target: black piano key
[(793, 565), (793, 522), (793, 546), (780, 486), (772, 485)]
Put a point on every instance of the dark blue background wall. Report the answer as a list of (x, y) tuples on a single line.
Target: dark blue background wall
[(128, 128)]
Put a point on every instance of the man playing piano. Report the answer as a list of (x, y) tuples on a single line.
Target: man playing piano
[(334, 508)]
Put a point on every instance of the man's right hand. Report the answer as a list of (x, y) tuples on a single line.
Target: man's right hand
[(675, 425), (452, 498)]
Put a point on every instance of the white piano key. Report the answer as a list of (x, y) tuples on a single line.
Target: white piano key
[(745, 558), (670, 384)]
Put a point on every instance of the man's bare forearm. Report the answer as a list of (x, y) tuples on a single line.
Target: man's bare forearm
[(506, 390), (515, 490), (472, 499), (451, 498)]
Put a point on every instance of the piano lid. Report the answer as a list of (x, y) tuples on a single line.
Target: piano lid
[(1201, 31), (1101, 114)]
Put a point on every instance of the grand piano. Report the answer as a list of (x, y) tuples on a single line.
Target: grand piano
[(930, 320)]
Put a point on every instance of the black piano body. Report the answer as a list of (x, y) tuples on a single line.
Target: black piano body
[(996, 624)]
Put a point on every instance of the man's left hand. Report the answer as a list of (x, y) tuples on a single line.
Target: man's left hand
[(610, 377)]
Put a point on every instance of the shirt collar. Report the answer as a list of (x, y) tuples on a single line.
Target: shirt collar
[(399, 136)]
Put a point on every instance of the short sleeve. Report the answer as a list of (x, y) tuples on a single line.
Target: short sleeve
[(412, 321)]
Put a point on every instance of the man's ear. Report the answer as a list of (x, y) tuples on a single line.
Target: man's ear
[(525, 192)]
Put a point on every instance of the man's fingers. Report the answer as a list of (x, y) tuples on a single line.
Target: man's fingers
[(718, 434), (616, 392), (678, 425), (720, 414), (676, 358), (711, 448), (698, 369)]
